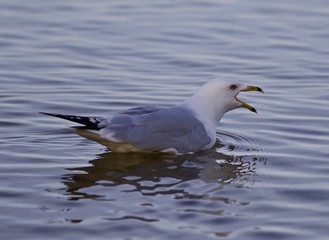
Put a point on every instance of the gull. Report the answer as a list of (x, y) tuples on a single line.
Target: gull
[(188, 127)]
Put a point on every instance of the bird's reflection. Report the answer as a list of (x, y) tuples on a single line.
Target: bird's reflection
[(114, 169)]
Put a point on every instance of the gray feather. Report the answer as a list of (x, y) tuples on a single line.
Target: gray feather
[(154, 128)]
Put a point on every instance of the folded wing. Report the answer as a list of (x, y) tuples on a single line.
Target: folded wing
[(156, 129)]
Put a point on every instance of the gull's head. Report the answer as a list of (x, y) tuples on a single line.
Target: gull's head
[(224, 93)]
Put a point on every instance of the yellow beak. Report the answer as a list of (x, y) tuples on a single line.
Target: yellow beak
[(248, 89)]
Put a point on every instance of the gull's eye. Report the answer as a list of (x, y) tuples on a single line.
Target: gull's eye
[(233, 87)]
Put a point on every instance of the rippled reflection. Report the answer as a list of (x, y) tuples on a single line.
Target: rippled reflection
[(154, 174)]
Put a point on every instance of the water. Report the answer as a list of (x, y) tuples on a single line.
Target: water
[(267, 176)]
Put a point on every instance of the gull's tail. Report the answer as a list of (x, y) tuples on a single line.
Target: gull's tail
[(88, 122)]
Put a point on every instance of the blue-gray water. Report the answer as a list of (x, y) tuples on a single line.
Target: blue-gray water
[(266, 178)]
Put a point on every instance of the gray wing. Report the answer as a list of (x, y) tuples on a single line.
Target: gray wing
[(139, 110), (157, 130)]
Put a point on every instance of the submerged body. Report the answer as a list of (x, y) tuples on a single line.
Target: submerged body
[(185, 128)]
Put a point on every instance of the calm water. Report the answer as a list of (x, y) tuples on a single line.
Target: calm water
[(266, 178)]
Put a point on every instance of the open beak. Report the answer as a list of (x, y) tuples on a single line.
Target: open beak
[(248, 89)]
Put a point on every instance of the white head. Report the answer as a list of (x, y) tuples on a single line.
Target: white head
[(219, 96)]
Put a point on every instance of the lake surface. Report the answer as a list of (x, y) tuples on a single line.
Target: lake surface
[(267, 176)]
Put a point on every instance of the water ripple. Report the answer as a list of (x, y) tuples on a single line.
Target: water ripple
[(267, 175)]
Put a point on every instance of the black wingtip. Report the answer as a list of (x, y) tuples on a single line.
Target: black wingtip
[(49, 114), (89, 122), (66, 117)]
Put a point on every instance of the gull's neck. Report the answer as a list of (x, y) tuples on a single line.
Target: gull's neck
[(205, 106)]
